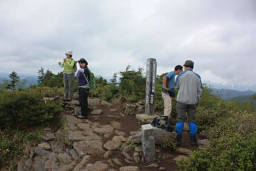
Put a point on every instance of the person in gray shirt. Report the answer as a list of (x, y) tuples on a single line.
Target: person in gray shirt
[(190, 88)]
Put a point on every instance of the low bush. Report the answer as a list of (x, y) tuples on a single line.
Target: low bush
[(225, 153), (27, 108)]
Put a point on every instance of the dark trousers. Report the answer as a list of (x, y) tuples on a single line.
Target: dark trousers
[(183, 109), (83, 100)]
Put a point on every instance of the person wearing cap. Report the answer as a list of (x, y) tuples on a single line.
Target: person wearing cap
[(69, 69), (83, 75), (168, 90), (190, 88)]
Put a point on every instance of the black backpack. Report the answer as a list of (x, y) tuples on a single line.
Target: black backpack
[(162, 122)]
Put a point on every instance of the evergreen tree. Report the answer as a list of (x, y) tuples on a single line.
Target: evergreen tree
[(41, 76), (14, 79)]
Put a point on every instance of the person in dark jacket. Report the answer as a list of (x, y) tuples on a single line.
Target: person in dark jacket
[(83, 75)]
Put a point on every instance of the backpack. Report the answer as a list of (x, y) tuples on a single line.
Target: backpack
[(162, 122), (91, 81)]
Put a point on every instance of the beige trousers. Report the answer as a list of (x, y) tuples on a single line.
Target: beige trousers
[(167, 104)]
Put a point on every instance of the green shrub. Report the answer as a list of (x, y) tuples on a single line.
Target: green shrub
[(26, 108), (226, 153)]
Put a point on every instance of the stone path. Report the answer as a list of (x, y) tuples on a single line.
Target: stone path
[(97, 144)]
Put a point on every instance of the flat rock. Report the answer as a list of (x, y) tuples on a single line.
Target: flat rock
[(108, 154), (41, 152), (118, 162), (115, 124), (67, 167), (94, 101), (145, 118), (38, 164), (83, 126), (64, 158), (204, 142), (97, 112), (180, 157), (49, 137), (52, 162), (82, 163), (76, 135), (88, 147), (120, 133), (105, 103), (97, 166), (129, 168), (75, 102), (106, 129), (113, 110), (138, 149), (183, 150), (73, 154), (45, 146), (115, 143)]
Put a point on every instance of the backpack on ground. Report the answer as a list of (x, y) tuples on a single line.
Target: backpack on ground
[(162, 122)]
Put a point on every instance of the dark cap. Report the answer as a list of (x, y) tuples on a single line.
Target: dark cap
[(82, 60), (189, 63)]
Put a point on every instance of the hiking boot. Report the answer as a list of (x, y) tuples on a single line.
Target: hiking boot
[(178, 139), (193, 140)]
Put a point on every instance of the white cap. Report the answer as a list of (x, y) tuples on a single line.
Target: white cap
[(69, 52)]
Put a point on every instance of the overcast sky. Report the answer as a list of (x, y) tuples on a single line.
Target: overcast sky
[(219, 35)]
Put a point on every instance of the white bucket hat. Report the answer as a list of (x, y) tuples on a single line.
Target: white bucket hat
[(69, 52)]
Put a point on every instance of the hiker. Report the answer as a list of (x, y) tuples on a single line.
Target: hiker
[(83, 75), (69, 65), (168, 91), (190, 88)]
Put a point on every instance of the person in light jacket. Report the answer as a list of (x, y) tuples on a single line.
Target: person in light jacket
[(69, 70), (190, 88)]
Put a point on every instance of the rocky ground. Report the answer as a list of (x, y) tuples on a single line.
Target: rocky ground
[(102, 142)]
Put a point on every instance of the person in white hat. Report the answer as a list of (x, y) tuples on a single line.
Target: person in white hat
[(69, 65)]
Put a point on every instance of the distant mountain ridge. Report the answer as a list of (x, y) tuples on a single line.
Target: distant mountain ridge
[(229, 94)]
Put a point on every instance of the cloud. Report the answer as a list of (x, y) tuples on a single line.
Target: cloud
[(218, 35)]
